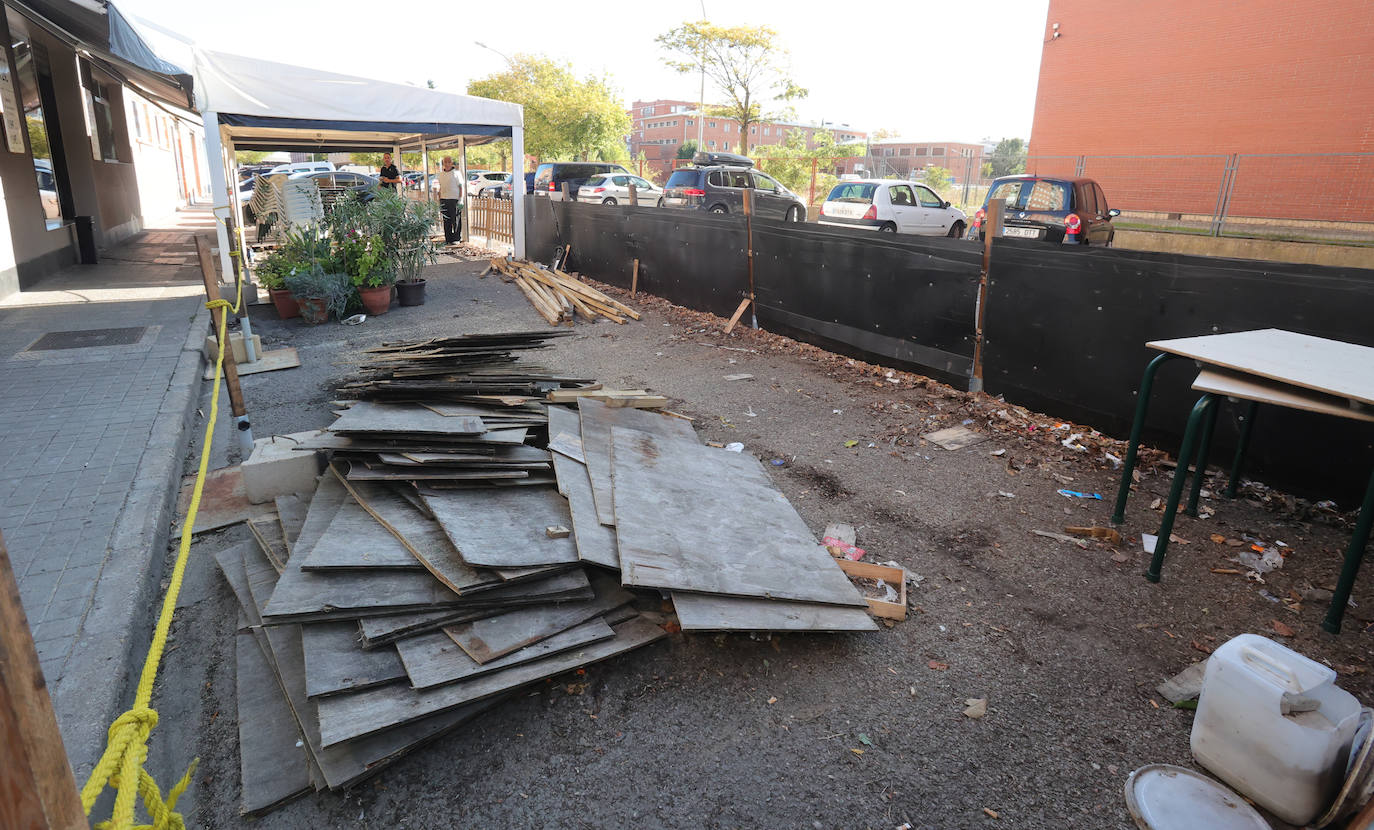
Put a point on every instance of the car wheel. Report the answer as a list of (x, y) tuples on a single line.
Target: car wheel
[(888, 227), (719, 209), (660, 203), (956, 231), (608, 201), (793, 214)]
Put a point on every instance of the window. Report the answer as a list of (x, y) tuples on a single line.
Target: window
[(1101, 199), (711, 144), (674, 122), (762, 182), (857, 192), (765, 130), (928, 197), (648, 110), (99, 120), (1008, 192), (1046, 195), (691, 123), (887, 151), (900, 196), (937, 151), (711, 124), (753, 130), (31, 62), (920, 151), (619, 181), (904, 151)]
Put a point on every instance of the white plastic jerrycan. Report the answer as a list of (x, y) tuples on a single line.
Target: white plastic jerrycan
[(1273, 725)]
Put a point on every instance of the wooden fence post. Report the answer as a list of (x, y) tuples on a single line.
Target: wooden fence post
[(992, 227)]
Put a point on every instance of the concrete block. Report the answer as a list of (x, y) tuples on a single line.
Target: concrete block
[(276, 468), (235, 344)]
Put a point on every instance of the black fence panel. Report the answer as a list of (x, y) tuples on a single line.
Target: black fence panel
[(1066, 334)]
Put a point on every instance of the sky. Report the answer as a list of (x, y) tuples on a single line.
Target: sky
[(877, 68)]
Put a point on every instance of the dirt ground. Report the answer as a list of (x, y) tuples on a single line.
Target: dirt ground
[(824, 731)]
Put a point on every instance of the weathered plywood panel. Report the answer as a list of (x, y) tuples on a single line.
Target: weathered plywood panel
[(595, 541), (367, 417), (273, 765), (335, 660), (504, 528), (700, 519), (487, 639), (705, 612), (435, 659), (355, 540), (597, 421)]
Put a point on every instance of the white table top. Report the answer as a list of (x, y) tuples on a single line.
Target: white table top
[(1252, 388), (1330, 366)]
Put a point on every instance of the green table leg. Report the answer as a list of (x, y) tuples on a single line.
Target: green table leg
[(1200, 410), (1200, 463), (1142, 405), (1244, 445), (1353, 554)]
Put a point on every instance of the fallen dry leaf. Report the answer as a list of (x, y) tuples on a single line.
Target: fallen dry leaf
[(1281, 629), (937, 665), (772, 700), (1178, 540), (975, 707), (1157, 504), (1234, 543), (1225, 571), (1218, 539), (1202, 647), (1120, 557), (991, 813), (857, 751), (1103, 534)]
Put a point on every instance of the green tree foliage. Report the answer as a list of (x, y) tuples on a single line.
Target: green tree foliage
[(250, 156), (38, 138), (791, 161), (937, 179), (565, 116), (412, 161), (687, 150), (744, 62), (1008, 158)]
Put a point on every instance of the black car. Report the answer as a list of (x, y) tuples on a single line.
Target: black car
[(1071, 211), (717, 184), (550, 177)]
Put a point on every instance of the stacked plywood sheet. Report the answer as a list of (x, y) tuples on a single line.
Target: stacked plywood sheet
[(416, 586)]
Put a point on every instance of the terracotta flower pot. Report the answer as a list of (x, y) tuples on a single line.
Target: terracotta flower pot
[(314, 310), (376, 300), (285, 303), (411, 293)]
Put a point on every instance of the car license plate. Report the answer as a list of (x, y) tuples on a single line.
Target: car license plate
[(1024, 233)]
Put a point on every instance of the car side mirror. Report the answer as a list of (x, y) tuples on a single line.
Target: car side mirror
[(946, 205), (1113, 213)]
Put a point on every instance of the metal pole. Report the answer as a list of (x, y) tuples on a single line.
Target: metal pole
[(219, 188), (1246, 426), (1359, 539), (517, 190), (465, 226), (1142, 405), (1166, 527)]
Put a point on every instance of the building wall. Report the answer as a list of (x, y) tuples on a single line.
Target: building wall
[(908, 159), (659, 128), (1213, 77)]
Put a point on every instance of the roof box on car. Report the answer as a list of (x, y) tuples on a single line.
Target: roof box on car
[(732, 159)]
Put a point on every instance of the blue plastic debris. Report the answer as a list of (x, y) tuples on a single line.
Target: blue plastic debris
[(1074, 494)]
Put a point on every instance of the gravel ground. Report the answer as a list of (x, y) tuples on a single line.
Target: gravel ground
[(825, 731)]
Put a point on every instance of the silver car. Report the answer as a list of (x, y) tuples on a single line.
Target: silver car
[(614, 189)]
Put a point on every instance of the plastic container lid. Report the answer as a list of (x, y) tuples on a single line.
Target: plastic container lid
[(1166, 797)]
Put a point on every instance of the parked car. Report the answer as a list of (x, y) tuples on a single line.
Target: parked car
[(1071, 211), (891, 206), (550, 176), (497, 191), (412, 179), (302, 167), (614, 188), (529, 182), (479, 181), (717, 184), (339, 178), (47, 190)]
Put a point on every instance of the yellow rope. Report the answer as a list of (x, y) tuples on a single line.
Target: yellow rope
[(121, 766)]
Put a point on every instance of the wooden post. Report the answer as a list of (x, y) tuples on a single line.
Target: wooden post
[(634, 195), (567, 193), (992, 227), (813, 185), (749, 259), (634, 277), (36, 785), (231, 369)]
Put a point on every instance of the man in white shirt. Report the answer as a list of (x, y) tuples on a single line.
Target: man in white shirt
[(450, 194)]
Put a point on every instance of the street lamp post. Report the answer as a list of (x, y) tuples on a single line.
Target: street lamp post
[(701, 100), (497, 51)]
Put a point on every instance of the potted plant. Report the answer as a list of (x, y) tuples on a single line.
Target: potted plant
[(369, 269), (319, 292), (405, 227), (271, 273)]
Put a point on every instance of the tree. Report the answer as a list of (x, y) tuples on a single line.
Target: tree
[(250, 156), (411, 161), (1008, 158), (687, 150), (883, 134), (937, 179), (564, 115), (744, 62), (792, 161)]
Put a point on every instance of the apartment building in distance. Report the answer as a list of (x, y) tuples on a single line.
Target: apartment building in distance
[(905, 158), (659, 128)]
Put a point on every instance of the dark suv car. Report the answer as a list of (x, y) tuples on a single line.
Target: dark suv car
[(549, 177), (1071, 211), (717, 185)]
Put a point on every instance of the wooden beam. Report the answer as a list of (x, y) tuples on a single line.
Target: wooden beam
[(734, 318), (634, 280), (231, 371), (36, 785)]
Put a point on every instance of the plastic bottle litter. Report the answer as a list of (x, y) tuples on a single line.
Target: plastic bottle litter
[(1074, 494)]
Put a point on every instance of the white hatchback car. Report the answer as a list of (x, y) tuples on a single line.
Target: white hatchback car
[(891, 206), (614, 188)]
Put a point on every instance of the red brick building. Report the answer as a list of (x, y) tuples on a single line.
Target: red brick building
[(1243, 86), (908, 159), (659, 128)]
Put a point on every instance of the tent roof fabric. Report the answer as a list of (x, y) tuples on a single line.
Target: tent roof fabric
[(262, 102)]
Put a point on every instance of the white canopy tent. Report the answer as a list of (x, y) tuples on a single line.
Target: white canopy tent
[(249, 104)]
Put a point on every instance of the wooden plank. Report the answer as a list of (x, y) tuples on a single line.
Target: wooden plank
[(1252, 388), (367, 417), (1330, 366), (291, 512), (634, 280), (595, 541), (379, 631), (429, 443), (355, 540), (704, 612), (267, 532), (382, 473), (638, 401), (273, 764), (896, 577), (705, 520), (955, 437), (597, 420), (335, 660), (571, 395), (486, 640), (349, 717), (504, 528), (36, 784), (435, 659), (739, 312), (329, 496), (223, 501), (270, 361)]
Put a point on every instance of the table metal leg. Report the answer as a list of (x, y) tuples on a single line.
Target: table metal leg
[(1200, 410), (1200, 463), (1244, 445), (1353, 554), (1142, 406)]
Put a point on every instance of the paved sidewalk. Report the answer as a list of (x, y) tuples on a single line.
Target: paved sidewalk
[(99, 374)]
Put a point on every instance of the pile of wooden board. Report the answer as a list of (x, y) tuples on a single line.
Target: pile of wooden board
[(442, 565), (557, 295)]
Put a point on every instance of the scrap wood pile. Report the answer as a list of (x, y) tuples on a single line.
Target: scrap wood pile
[(456, 553), (557, 295)]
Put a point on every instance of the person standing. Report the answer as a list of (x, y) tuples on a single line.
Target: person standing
[(450, 195), (389, 175)]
